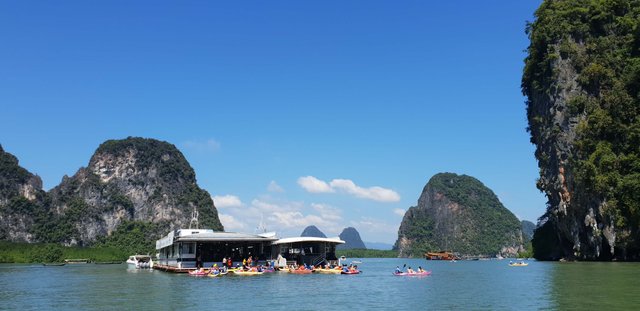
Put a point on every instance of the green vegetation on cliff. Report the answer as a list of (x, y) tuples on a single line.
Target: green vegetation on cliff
[(584, 56), (459, 213), (131, 193)]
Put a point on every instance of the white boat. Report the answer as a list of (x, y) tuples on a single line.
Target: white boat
[(140, 262)]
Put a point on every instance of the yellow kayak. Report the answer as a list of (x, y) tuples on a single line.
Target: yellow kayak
[(328, 271), (246, 273)]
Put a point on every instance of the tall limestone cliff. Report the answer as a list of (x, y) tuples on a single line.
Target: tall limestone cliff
[(313, 231), (133, 179), (460, 214), (351, 239), (21, 200), (581, 79)]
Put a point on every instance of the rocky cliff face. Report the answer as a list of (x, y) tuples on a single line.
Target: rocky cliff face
[(582, 83), (131, 179), (134, 179), (527, 230), (352, 239), (458, 213), (21, 200), (313, 231)]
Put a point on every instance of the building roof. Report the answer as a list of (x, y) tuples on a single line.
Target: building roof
[(214, 236), (208, 235), (300, 239)]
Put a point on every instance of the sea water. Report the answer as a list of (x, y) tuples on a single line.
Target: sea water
[(461, 285)]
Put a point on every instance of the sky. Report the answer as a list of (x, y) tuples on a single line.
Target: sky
[(292, 113)]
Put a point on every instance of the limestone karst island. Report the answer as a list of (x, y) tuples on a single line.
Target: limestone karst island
[(334, 155)]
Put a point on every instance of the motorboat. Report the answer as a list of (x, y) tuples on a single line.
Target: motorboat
[(140, 262)]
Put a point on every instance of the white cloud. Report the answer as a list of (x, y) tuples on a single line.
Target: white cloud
[(399, 211), (210, 145), (374, 226), (372, 193), (224, 201), (230, 223), (327, 212), (314, 185), (274, 187)]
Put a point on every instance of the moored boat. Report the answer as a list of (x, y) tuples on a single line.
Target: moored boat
[(198, 272), (140, 262), (300, 271), (246, 273), (328, 271)]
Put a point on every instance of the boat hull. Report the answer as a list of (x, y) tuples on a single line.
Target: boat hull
[(246, 273), (296, 271), (328, 271), (413, 274)]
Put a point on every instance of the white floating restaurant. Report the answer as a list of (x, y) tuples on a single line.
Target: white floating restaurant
[(186, 249)]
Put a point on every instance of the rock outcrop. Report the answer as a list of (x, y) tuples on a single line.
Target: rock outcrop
[(21, 200), (458, 213), (134, 179), (313, 231), (351, 239), (581, 80), (527, 230)]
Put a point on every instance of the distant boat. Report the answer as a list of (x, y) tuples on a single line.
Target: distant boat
[(77, 261), (108, 262), (53, 264), (441, 255), (518, 264)]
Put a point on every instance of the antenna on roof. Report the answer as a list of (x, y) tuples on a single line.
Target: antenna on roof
[(262, 228), (194, 219)]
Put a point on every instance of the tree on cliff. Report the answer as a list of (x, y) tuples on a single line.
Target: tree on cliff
[(582, 80)]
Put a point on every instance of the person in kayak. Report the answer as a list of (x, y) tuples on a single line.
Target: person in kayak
[(398, 269), (420, 270), (410, 271)]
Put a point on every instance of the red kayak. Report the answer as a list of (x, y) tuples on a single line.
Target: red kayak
[(198, 273), (351, 272), (299, 271), (424, 273)]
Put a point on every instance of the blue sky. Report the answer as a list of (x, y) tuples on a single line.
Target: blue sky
[(289, 111)]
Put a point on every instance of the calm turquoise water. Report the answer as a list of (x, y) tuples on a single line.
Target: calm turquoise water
[(476, 285)]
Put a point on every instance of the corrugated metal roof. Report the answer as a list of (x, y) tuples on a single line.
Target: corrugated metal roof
[(223, 236), (308, 239)]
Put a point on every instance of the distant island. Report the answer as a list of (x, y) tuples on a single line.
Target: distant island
[(458, 213)]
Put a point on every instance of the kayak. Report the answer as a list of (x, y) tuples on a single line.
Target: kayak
[(328, 271), (413, 274), (213, 275), (518, 264), (246, 273), (350, 272), (297, 271), (198, 273)]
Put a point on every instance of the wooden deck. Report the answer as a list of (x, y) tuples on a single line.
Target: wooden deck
[(172, 269)]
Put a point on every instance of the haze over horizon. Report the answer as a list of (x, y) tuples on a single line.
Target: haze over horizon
[(291, 113)]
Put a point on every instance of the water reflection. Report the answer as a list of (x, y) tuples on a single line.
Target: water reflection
[(596, 286)]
